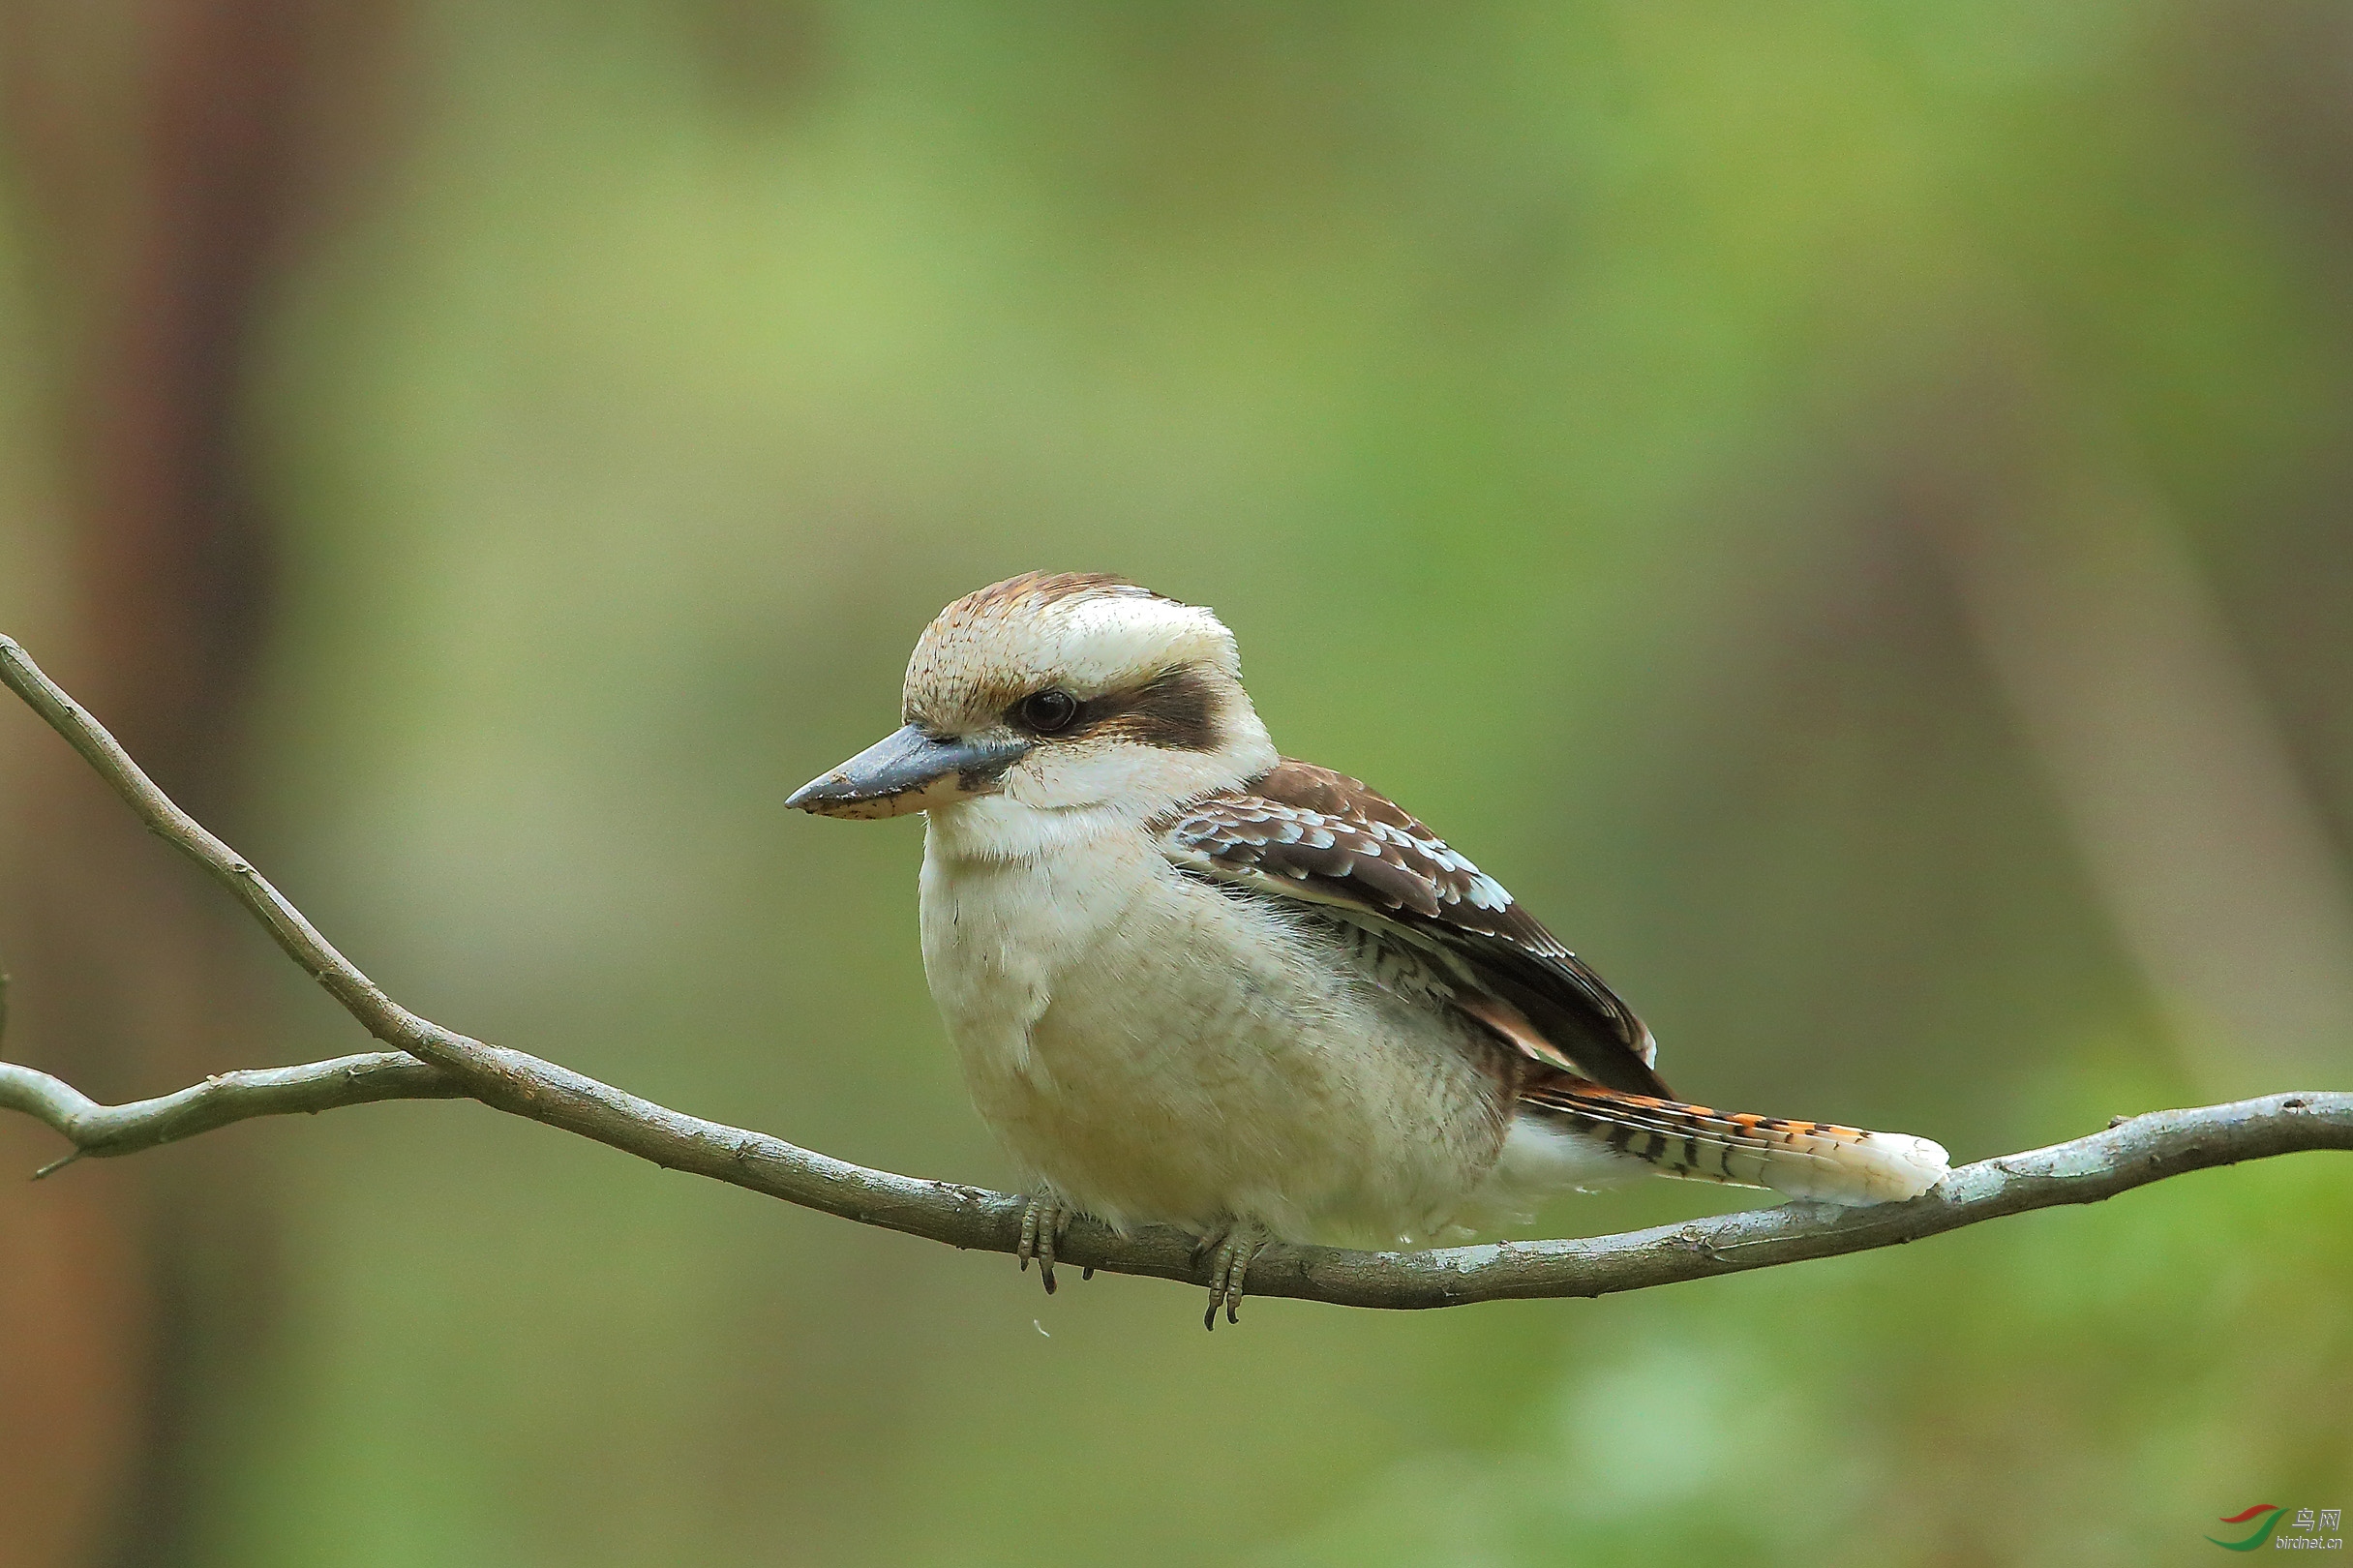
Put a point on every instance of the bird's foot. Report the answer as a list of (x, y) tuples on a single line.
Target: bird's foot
[(1230, 1251), (1043, 1224)]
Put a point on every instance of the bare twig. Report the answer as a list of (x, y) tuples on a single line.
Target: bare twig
[(431, 1062), (230, 1096)]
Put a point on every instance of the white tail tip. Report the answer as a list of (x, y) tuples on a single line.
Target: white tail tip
[(1874, 1167)]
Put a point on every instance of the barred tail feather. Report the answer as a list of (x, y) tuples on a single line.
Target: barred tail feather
[(1803, 1159)]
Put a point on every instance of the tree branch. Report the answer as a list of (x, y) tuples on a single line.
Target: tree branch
[(431, 1062)]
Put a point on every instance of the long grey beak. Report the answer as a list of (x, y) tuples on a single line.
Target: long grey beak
[(908, 770)]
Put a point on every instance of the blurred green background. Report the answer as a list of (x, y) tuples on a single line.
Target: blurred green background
[(1843, 507)]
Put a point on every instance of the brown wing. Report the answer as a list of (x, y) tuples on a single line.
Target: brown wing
[(1310, 834)]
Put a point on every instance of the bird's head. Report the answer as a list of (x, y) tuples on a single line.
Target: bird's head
[(1059, 691)]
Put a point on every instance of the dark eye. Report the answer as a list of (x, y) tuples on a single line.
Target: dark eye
[(1043, 713)]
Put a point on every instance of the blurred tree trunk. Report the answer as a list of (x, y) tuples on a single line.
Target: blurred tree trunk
[(162, 150)]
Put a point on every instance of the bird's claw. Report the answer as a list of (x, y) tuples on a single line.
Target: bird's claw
[(1043, 1224), (1232, 1252)]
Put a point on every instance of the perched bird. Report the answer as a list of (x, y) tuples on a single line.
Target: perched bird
[(1194, 982)]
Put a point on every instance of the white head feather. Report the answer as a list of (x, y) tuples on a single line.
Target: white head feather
[(1162, 679)]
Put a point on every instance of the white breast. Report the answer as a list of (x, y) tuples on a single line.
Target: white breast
[(1159, 1050)]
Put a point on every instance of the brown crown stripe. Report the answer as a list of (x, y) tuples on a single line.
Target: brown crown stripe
[(1049, 587)]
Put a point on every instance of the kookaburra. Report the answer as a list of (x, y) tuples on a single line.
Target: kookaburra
[(1193, 983)]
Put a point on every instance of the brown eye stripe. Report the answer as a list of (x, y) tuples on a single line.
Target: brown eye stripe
[(1176, 711)]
